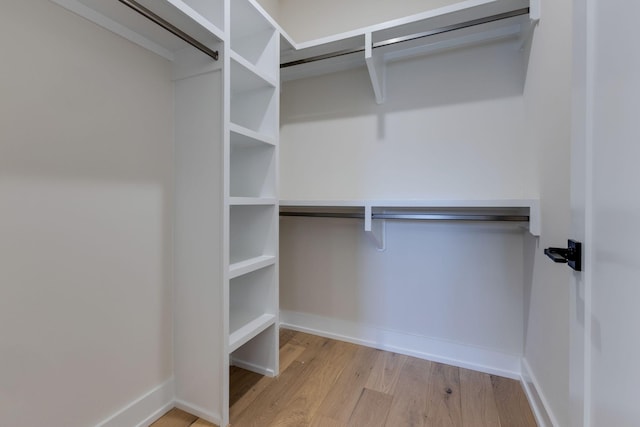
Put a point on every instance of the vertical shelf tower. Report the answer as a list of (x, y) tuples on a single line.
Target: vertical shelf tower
[(226, 279), (250, 285)]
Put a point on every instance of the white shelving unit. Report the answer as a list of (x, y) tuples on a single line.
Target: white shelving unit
[(251, 192), (460, 24)]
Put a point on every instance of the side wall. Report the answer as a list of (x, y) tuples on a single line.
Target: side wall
[(86, 213), (448, 130), (547, 99)]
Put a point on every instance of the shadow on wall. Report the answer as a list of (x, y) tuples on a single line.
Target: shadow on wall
[(458, 76)]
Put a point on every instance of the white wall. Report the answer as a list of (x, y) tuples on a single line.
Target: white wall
[(451, 283), (85, 224), (452, 127), (306, 20), (547, 98)]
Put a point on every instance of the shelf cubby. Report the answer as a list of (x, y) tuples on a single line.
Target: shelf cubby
[(252, 171), (254, 38), (252, 232), (254, 101), (252, 303)]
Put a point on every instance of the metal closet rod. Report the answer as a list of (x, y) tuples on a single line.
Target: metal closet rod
[(416, 216), (416, 36), (169, 27)]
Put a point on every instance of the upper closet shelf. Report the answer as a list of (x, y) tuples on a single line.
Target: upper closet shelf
[(464, 23), (201, 21), (376, 212)]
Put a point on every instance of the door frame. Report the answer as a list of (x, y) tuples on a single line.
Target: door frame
[(582, 209)]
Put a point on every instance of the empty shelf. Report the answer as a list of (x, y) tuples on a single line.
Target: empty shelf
[(245, 201), (249, 329), (250, 265)]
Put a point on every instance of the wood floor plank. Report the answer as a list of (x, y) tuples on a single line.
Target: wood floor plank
[(477, 400), (386, 372), (371, 410), (311, 343), (444, 408), (418, 397), (284, 389), (322, 421), (300, 410), (245, 386), (409, 404), (512, 404), (175, 418), (343, 398), (288, 353), (286, 335), (202, 423)]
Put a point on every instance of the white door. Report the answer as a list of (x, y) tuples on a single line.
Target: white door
[(605, 311)]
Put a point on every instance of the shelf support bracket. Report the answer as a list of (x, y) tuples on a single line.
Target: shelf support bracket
[(376, 68), (375, 228), (534, 19)]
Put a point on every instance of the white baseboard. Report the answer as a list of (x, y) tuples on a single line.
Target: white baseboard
[(144, 410), (537, 400), (253, 368), (436, 350), (198, 412)]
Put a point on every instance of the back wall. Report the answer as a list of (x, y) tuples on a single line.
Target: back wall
[(452, 128)]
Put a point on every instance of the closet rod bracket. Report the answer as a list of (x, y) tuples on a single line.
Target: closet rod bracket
[(375, 228)]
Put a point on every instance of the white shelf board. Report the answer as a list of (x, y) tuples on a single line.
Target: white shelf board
[(127, 23), (245, 77), (252, 201), (461, 11), (454, 14), (368, 205), (243, 136), (414, 203), (250, 81), (249, 328), (250, 265)]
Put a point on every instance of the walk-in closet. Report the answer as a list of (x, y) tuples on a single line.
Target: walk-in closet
[(186, 183)]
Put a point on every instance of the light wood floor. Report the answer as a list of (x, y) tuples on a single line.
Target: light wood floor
[(328, 383)]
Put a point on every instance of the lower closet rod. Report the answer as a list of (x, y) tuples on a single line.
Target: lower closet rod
[(169, 27), (418, 217)]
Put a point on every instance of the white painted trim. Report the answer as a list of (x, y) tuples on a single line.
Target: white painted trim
[(113, 26), (537, 400), (436, 350), (252, 367), (144, 410), (198, 412), (589, 214)]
